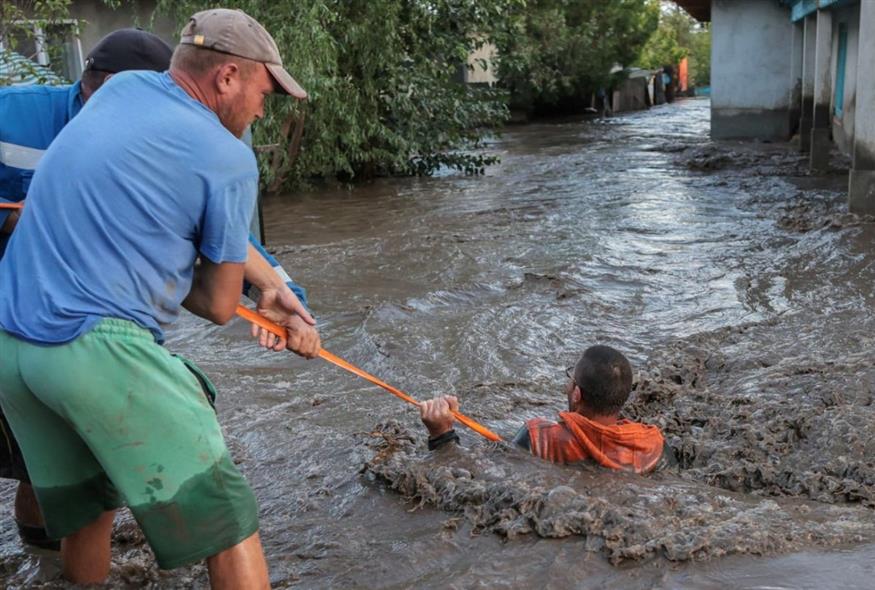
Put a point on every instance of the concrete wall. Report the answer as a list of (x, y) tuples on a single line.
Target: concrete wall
[(631, 95), (843, 128), (751, 59), (861, 185), (796, 55), (101, 20), (806, 120)]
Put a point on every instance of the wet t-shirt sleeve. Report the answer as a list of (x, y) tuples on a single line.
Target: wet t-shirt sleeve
[(521, 438), (227, 214), (439, 441)]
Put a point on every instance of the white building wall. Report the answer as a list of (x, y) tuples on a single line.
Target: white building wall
[(843, 128), (796, 61), (476, 73), (861, 189), (751, 58)]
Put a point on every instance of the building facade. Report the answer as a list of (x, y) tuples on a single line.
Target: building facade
[(782, 68)]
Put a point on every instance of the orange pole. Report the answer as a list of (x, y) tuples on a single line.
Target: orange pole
[(11, 205), (268, 325)]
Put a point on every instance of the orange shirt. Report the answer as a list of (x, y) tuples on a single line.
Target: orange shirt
[(625, 445)]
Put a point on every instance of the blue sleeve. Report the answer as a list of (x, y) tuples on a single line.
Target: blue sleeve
[(296, 289), (225, 222)]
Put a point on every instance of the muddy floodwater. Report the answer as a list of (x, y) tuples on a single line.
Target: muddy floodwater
[(738, 285)]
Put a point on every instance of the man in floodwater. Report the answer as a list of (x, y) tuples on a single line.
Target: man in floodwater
[(105, 416), (598, 387)]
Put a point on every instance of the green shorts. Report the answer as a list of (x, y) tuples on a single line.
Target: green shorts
[(113, 419)]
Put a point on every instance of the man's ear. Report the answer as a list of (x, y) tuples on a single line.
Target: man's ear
[(227, 78), (576, 396)]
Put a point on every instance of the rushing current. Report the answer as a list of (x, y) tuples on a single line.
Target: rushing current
[(738, 285)]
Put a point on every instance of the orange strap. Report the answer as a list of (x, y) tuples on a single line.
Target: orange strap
[(11, 205), (268, 325)]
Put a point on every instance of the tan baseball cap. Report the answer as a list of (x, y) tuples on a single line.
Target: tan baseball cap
[(237, 33)]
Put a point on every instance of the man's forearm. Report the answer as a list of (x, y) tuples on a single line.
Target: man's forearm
[(259, 272), (252, 291)]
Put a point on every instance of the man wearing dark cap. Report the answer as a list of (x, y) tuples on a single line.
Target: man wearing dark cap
[(98, 279), (34, 115)]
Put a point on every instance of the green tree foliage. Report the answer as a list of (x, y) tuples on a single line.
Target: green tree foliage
[(560, 51), (384, 75), (386, 95), (678, 36), (700, 57)]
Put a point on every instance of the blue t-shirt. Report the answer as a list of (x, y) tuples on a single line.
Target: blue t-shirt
[(30, 118), (113, 229)]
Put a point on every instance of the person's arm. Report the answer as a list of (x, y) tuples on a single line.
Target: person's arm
[(522, 439), (277, 302), (437, 416), (215, 290), (253, 293), (8, 219), (668, 460)]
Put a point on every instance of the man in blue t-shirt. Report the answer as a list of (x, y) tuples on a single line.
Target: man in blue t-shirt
[(33, 116), (115, 239)]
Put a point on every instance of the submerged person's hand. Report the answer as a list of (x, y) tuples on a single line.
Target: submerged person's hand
[(282, 307), (437, 414)]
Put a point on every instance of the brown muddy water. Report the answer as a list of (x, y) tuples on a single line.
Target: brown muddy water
[(740, 288)]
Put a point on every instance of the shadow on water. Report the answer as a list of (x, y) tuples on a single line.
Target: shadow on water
[(739, 287)]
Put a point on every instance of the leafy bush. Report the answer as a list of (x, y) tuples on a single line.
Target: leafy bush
[(679, 36), (561, 51)]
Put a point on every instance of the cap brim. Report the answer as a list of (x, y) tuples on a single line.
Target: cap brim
[(285, 82)]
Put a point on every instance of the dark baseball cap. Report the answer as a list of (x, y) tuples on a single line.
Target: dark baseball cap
[(236, 33), (129, 49)]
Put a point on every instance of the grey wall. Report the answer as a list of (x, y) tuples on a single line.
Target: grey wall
[(796, 57), (101, 20), (750, 61), (843, 129)]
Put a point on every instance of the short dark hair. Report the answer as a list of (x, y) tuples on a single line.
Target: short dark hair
[(605, 377), (92, 80)]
